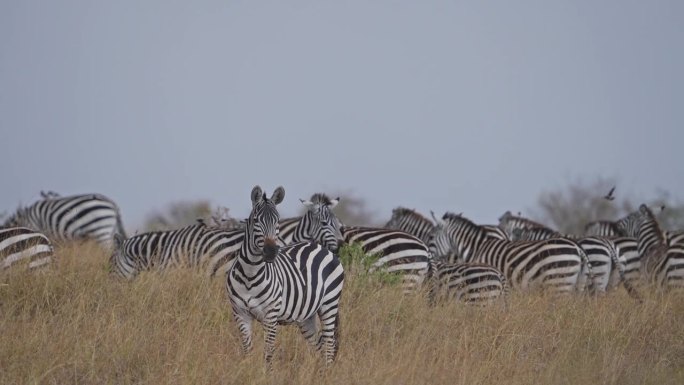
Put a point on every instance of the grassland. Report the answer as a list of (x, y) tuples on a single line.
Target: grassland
[(75, 324)]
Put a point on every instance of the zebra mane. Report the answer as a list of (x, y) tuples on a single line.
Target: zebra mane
[(403, 211), (321, 198)]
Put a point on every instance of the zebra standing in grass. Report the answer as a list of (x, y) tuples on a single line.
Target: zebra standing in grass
[(195, 245), (77, 217), (602, 252), (554, 264), (21, 243), (397, 252), (293, 284)]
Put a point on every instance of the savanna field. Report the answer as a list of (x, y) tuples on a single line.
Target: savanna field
[(74, 323)]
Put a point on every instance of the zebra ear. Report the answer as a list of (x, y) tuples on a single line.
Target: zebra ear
[(307, 204), (278, 195), (334, 202), (256, 195)]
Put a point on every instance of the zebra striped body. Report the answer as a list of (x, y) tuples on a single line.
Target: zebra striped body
[(411, 222), (554, 264), (473, 283), (287, 229), (661, 261), (398, 252), (21, 243), (196, 245), (78, 217), (293, 284)]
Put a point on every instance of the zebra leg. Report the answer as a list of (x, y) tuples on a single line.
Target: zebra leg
[(244, 322), (330, 335), (309, 330), (270, 329)]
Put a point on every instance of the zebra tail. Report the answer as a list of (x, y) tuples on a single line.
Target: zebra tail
[(586, 264), (621, 271)]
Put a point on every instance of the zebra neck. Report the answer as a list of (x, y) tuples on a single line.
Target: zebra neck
[(248, 256)]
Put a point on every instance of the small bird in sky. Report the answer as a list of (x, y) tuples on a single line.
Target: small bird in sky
[(610, 196)]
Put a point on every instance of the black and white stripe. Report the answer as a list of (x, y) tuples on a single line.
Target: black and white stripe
[(412, 222), (293, 284), (473, 283), (196, 245), (397, 252), (319, 223), (78, 217), (662, 262), (19, 244), (554, 264)]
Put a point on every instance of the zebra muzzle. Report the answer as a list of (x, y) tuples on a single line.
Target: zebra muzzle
[(271, 249)]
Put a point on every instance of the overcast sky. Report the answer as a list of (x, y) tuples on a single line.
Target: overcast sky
[(473, 106)]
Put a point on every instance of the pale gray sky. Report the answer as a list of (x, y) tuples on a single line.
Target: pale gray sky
[(473, 106)]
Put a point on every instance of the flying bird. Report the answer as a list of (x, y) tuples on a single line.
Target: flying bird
[(610, 196)]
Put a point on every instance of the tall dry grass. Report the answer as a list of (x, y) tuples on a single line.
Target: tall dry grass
[(75, 324)]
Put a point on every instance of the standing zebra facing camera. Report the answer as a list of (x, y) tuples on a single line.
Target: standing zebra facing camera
[(300, 283), (77, 217), (21, 243)]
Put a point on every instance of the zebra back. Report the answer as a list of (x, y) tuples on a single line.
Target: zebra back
[(78, 217), (602, 229), (197, 245)]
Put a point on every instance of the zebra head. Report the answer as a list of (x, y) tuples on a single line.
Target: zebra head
[(261, 232), (323, 225), (120, 263)]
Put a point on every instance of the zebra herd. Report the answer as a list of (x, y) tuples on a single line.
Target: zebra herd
[(281, 271)]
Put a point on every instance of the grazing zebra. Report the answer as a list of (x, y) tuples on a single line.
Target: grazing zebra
[(293, 284), (603, 254), (411, 222), (21, 243), (397, 252), (195, 245), (554, 264), (473, 283), (77, 217)]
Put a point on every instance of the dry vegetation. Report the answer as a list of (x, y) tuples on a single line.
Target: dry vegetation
[(74, 323)]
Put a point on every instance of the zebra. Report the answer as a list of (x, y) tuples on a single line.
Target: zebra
[(555, 264), (603, 254), (411, 222), (662, 262), (76, 217), (194, 245), (19, 243), (293, 284), (397, 252), (319, 223), (473, 283)]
